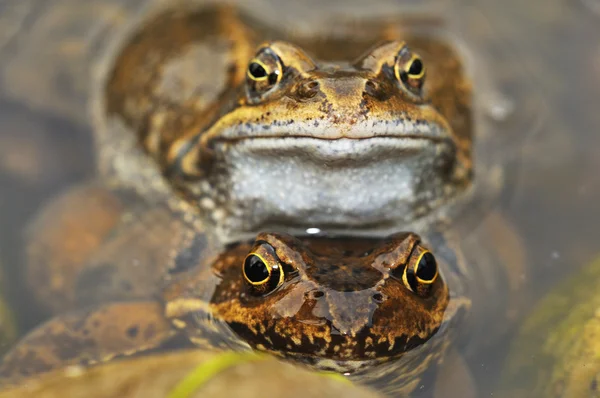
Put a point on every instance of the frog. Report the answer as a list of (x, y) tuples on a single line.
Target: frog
[(181, 109), (140, 75), (119, 277), (252, 127), (339, 304)]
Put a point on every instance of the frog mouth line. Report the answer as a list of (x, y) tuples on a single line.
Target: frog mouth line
[(337, 348), (324, 131), (339, 148), (411, 137), (360, 152)]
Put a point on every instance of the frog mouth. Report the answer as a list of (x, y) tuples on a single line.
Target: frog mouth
[(335, 347), (358, 151), (307, 137), (327, 131)]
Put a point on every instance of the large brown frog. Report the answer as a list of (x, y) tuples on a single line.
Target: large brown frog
[(340, 304), (255, 132)]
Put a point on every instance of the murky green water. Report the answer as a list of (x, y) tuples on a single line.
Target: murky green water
[(541, 58)]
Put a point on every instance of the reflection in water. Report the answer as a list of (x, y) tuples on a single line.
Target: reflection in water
[(41, 155)]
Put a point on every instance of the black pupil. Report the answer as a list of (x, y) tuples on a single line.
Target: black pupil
[(416, 68), (427, 267), (257, 70), (255, 270)]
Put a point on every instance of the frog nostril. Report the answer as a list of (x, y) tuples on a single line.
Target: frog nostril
[(371, 87), (318, 294), (309, 89), (378, 297)]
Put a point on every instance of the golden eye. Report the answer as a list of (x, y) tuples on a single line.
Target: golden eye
[(264, 72), (262, 270), (257, 71), (410, 70), (421, 271), (256, 270)]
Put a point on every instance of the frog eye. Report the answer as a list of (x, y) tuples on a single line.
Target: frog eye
[(262, 270), (410, 70), (264, 72), (421, 271)]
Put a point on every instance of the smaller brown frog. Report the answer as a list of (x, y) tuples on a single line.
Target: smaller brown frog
[(334, 302), (326, 298)]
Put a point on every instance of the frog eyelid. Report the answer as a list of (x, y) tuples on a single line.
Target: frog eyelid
[(280, 263), (397, 266)]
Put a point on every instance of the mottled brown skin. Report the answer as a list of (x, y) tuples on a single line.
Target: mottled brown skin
[(365, 313), (341, 298), (137, 88), (181, 85)]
